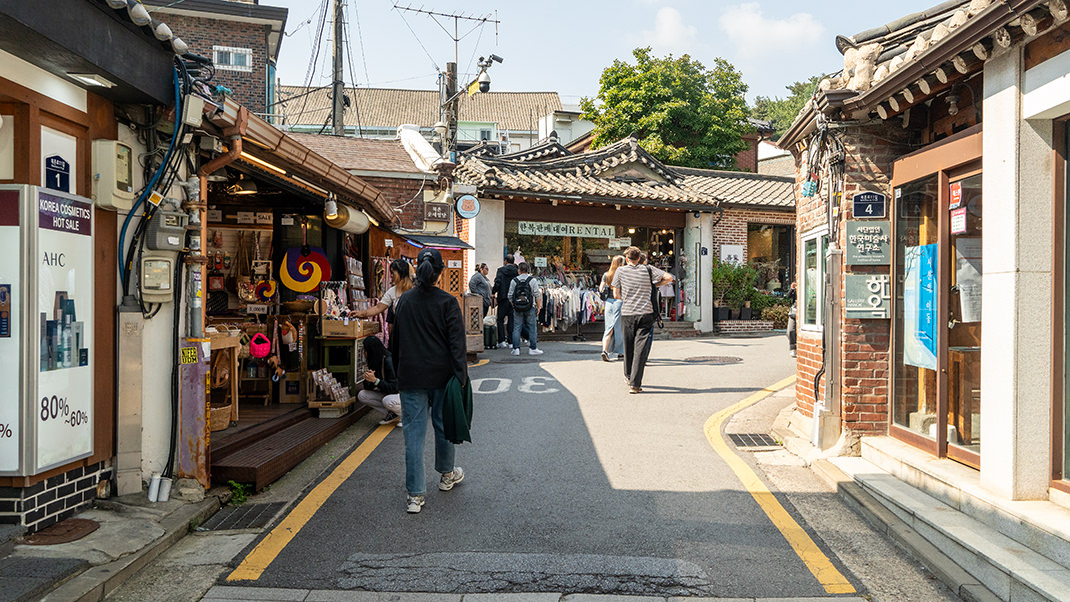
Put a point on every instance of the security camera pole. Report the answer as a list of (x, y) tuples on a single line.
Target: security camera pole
[(451, 98)]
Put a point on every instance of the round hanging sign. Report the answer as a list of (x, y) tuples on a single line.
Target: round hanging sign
[(467, 206)]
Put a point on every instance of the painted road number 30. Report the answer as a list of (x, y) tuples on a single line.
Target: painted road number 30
[(529, 384)]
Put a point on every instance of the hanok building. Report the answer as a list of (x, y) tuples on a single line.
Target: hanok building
[(932, 324)]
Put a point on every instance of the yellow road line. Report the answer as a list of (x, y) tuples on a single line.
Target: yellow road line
[(482, 362), (271, 546), (808, 551)]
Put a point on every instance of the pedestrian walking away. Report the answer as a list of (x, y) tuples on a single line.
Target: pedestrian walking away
[(479, 285), (502, 279), (613, 335), (634, 285), (430, 338), (380, 383), (526, 300)]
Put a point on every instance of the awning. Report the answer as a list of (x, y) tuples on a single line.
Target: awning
[(437, 242), (273, 149)]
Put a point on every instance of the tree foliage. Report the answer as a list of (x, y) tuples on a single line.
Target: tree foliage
[(681, 112), (781, 112)]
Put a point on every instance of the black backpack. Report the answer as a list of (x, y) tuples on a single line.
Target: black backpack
[(523, 298), (655, 301)]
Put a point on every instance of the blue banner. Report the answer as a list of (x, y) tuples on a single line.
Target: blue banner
[(919, 306)]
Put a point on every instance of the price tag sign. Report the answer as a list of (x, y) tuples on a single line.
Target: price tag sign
[(188, 355), (958, 220)]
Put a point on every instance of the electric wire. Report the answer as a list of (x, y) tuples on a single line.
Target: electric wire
[(418, 40)]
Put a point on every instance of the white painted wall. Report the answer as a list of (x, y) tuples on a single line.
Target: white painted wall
[(39, 80), (1016, 289), (488, 236), (700, 229)]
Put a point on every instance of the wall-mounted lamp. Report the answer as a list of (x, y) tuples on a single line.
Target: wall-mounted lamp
[(243, 186), (631, 230), (330, 209), (953, 99)]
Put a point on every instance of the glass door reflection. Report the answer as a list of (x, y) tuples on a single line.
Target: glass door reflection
[(964, 316)]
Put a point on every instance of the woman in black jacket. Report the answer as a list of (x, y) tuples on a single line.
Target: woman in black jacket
[(429, 333), (380, 384)]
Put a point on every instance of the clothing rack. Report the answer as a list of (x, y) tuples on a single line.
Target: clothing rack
[(584, 274)]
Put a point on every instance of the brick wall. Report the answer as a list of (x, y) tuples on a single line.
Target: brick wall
[(403, 194), (53, 500), (732, 229), (747, 160), (248, 87), (743, 326), (864, 343)]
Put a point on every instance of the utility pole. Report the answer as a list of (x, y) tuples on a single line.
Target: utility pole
[(338, 85)]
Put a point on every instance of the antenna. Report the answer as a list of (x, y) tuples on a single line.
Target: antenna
[(457, 18)]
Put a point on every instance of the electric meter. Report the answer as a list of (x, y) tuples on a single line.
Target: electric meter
[(113, 175), (166, 230), (157, 276)]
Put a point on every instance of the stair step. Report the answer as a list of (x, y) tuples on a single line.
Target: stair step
[(222, 447), (1006, 567), (8, 535), (266, 460)]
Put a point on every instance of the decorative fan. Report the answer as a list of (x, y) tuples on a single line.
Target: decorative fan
[(304, 267), (266, 290)]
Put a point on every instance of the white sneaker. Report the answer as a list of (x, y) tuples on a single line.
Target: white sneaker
[(414, 503), (503, 345), (515, 352), (450, 479), (534, 351)]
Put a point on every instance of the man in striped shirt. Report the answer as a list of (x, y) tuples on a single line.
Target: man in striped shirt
[(634, 284)]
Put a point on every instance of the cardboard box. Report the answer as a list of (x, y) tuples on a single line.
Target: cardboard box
[(355, 329)]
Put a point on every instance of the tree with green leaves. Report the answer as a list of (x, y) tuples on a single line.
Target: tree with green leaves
[(781, 112), (681, 112)]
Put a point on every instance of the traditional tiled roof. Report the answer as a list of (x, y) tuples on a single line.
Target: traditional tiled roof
[(890, 68), (389, 108), (742, 188), (360, 154), (621, 172)]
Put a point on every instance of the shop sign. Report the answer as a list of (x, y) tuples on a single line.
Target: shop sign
[(620, 243), (869, 205), (867, 296), (468, 206), (958, 220), (956, 195), (436, 212), (732, 254), (557, 229), (540, 262), (454, 264), (459, 189), (869, 243)]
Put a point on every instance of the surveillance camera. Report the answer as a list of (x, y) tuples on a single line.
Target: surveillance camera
[(495, 57), (484, 82)]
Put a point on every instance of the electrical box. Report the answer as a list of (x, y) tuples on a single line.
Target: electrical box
[(166, 231), (113, 175), (157, 276)]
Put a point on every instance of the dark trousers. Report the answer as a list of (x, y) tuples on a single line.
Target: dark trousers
[(505, 321), (638, 334)]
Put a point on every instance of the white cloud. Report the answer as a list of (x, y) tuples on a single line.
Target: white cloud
[(670, 33), (755, 36)]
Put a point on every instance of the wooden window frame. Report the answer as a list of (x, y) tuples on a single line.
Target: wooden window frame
[(953, 158), (1058, 342)]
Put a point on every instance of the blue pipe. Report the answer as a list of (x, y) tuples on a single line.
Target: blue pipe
[(123, 275)]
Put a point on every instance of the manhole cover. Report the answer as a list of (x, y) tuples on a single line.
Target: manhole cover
[(66, 531), (752, 440), (716, 360), (517, 360), (246, 516), (586, 351)]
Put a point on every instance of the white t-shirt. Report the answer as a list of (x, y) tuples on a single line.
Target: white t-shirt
[(390, 297)]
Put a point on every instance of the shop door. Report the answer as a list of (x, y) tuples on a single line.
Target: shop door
[(936, 357)]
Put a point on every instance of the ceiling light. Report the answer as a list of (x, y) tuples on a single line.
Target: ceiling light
[(631, 230), (670, 241), (262, 163), (92, 79), (243, 186)]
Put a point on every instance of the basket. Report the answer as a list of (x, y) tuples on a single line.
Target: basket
[(298, 307), (219, 417)]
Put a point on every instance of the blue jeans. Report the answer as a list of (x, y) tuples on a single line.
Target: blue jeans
[(415, 405), (613, 328), (525, 320)]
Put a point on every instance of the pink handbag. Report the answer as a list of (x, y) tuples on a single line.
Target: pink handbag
[(259, 346)]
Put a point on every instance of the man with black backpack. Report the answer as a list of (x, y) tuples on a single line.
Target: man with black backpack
[(502, 281), (636, 285), (525, 298)]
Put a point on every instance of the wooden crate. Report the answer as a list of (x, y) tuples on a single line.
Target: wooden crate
[(355, 329), (330, 408)]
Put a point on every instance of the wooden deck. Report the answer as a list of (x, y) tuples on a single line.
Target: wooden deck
[(270, 440)]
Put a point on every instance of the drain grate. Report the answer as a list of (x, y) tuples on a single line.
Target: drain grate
[(246, 516), (752, 440), (714, 360)]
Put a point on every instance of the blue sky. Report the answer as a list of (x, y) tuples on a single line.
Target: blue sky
[(560, 46)]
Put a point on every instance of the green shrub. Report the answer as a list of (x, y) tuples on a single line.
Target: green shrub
[(777, 314)]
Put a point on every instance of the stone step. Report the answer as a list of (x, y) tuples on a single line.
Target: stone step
[(8, 535), (1004, 566)]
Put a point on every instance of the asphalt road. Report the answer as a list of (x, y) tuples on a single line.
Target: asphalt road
[(572, 484)]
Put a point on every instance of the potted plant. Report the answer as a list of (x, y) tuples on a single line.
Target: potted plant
[(739, 293), (722, 282)]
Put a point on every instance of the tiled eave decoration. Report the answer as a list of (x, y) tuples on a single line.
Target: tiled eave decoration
[(889, 69), (621, 173)]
